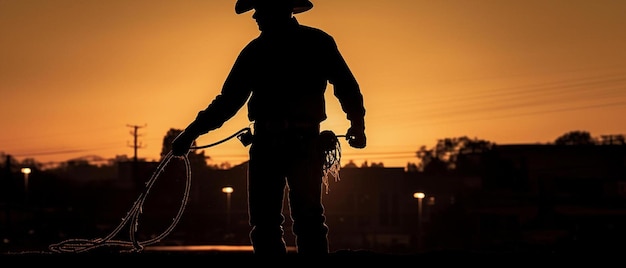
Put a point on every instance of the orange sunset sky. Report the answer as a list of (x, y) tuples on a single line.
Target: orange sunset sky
[(74, 74)]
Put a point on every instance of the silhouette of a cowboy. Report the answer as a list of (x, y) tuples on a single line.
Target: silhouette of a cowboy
[(283, 74)]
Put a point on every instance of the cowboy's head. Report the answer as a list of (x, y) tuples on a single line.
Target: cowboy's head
[(294, 6), (272, 15)]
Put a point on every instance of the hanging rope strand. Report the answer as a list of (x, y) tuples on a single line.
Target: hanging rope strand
[(332, 157)]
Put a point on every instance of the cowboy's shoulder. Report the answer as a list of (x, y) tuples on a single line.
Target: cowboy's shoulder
[(314, 31)]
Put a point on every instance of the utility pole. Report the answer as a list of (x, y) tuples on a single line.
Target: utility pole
[(136, 145)]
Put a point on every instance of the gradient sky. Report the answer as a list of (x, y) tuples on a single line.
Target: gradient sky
[(74, 74)]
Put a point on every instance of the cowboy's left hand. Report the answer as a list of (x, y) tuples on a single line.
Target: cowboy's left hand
[(356, 137)]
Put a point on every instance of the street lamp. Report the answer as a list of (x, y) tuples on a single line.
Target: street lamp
[(228, 191), (419, 196), (26, 171)]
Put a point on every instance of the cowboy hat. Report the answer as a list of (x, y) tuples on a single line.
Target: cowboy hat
[(299, 6)]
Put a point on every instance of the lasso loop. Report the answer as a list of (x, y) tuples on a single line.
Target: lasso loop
[(83, 245), (132, 216)]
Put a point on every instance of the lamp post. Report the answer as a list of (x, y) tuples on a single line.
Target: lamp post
[(419, 196), (26, 171), (228, 191)]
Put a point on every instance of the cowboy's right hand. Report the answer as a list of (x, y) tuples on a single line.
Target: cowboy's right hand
[(182, 144)]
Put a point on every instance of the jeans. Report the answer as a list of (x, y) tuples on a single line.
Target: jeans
[(286, 159)]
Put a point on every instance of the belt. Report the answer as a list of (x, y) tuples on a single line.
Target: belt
[(286, 125)]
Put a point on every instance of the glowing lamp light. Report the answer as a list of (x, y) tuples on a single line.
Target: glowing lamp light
[(26, 171), (227, 190)]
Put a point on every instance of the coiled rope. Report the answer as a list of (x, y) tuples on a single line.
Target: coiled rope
[(77, 245), (132, 217)]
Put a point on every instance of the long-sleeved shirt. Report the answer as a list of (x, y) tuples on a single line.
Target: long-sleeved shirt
[(284, 75)]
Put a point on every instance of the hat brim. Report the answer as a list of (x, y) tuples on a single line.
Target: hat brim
[(243, 6)]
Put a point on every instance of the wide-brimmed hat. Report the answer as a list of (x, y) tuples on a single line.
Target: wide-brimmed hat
[(299, 6)]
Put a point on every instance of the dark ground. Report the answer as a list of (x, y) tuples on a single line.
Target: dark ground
[(348, 258)]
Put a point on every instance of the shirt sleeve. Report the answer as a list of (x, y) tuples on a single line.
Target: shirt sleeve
[(234, 94), (345, 85)]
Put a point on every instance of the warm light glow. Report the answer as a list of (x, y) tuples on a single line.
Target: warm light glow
[(418, 195), (428, 70), (227, 190), (26, 170)]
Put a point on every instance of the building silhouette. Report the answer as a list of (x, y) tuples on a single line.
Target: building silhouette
[(511, 198)]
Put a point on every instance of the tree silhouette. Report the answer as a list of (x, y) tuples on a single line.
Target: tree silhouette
[(576, 137), (446, 152)]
